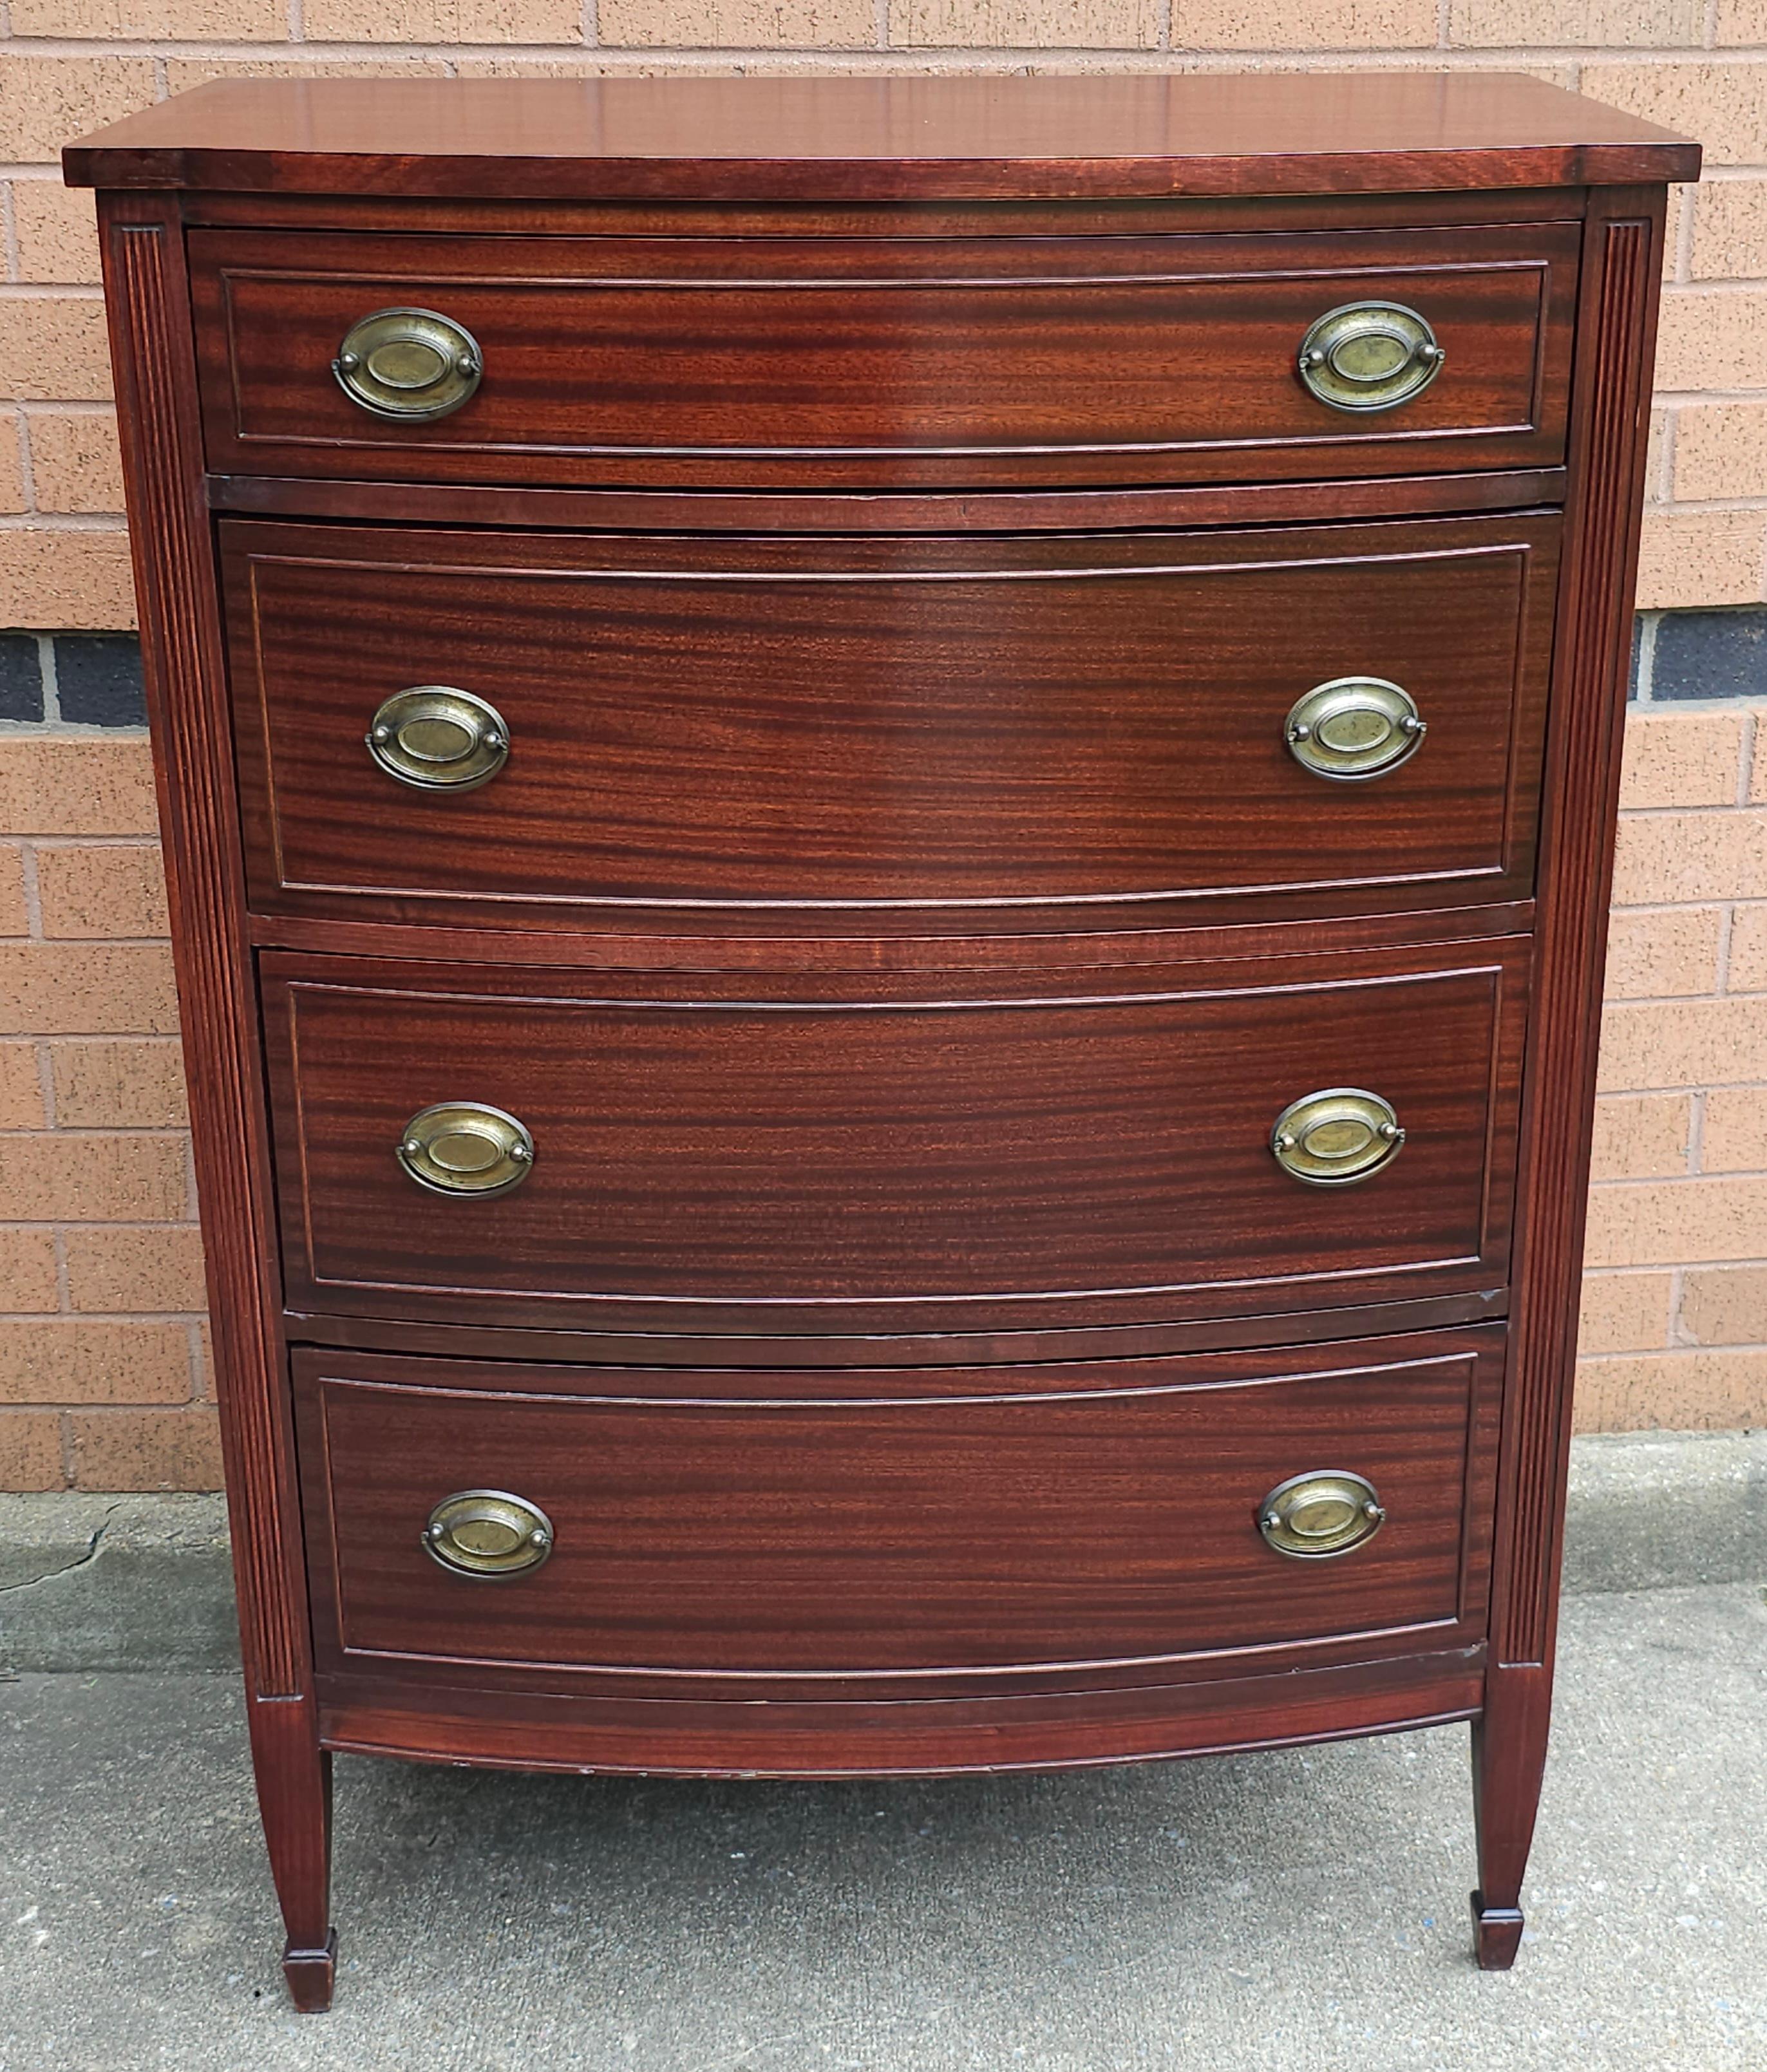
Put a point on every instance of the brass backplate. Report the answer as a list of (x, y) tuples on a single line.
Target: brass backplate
[(413, 365), (1336, 1136), (437, 738), (1326, 1511), (466, 1147), (1371, 356), (487, 1532), (1352, 728)]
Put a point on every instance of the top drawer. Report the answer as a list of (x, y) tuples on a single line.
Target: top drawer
[(856, 363)]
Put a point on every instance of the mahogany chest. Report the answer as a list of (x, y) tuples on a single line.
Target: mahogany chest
[(888, 807)]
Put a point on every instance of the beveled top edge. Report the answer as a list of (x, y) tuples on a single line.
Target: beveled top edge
[(882, 137)]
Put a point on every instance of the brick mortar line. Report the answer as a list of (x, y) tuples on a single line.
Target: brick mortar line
[(74, 729), (9, 233), (111, 524), (1687, 1266), (102, 1316), (1268, 57), (1683, 1086), (1684, 399), (46, 1080), (90, 841), (1727, 931), (1681, 1000), (63, 406), (112, 1223), (33, 896), (1680, 1352), (1731, 809), (1683, 1180), (169, 1130), (1696, 1133)]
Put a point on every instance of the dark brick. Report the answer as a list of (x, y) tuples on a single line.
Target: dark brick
[(1711, 654), (21, 677), (98, 679)]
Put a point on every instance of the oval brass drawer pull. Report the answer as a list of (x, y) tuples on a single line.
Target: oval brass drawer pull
[(438, 739), (411, 365), (1354, 727), (1336, 1136), (1369, 356), (466, 1147), (487, 1532), (1328, 1511)]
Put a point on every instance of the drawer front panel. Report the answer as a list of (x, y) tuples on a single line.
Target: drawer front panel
[(805, 734), (1114, 1522), (755, 1165), (851, 362)]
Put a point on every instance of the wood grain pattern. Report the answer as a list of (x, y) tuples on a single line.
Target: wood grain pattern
[(779, 1164), (892, 945), (1100, 1526), (1577, 874), (1073, 215), (732, 364), (903, 138), (820, 1738), (452, 504), (922, 1361), (898, 922), (796, 735), (184, 678), (1616, 337), (182, 664)]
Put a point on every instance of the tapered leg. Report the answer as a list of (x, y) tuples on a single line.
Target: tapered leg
[(295, 1796), (1509, 1760)]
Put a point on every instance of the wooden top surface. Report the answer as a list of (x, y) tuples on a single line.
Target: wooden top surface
[(880, 138)]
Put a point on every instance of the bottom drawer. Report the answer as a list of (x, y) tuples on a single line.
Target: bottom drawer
[(1062, 1522)]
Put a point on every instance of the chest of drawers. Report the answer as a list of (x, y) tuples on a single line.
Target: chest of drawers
[(888, 807)]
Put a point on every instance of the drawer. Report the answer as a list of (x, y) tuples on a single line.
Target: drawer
[(1101, 1517), (751, 1155), (784, 362), (805, 734)]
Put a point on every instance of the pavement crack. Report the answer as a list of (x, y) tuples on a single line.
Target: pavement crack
[(55, 1575)]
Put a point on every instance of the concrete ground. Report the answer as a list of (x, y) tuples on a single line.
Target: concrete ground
[(1290, 1910)]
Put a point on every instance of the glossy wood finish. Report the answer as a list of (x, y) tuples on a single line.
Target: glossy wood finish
[(938, 1189), (151, 350), (882, 139), (1096, 1528), (922, 1361), (765, 511), (1097, 215), (814, 1737), (1616, 332), (869, 365), (794, 734), (785, 1163)]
